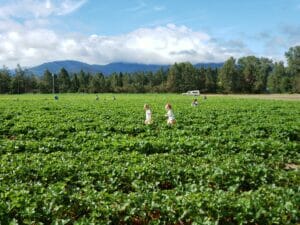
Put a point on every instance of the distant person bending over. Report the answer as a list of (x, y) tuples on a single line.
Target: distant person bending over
[(195, 102), (171, 117), (148, 114)]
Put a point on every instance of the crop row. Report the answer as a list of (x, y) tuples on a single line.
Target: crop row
[(124, 186), (82, 161)]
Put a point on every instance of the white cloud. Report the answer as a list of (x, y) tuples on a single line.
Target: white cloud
[(39, 9), (159, 8), (159, 45), (292, 33), (274, 44), (69, 6), (30, 43), (7, 25), (143, 7), (140, 6)]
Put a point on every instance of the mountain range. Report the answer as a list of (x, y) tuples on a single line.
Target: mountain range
[(75, 66)]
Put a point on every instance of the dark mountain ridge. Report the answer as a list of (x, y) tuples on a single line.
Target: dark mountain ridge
[(73, 66)]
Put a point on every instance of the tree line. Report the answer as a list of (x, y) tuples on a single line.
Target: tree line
[(248, 74)]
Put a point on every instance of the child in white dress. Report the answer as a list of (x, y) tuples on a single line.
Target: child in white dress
[(171, 117), (148, 114)]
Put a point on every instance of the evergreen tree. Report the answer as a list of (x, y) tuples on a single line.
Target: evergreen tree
[(97, 84), (75, 84), (83, 81), (174, 78), (293, 58), (159, 81), (64, 81), (188, 77), (249, 69), (31, 84), (201, 79), (265, 68), (275, 78), (46, 82), (227, 75), (5, 80), (17, 84), (127, 83), (286, 84), (113, 78), (211, 81)]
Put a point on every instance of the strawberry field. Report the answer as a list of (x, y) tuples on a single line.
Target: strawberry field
[(78, 160)]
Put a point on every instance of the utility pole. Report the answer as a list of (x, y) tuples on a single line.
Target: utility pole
[(18, 85), (53, 90)]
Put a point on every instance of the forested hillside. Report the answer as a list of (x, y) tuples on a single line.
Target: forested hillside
[(248, 74)]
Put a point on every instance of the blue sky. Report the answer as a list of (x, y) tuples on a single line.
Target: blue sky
[(145, 31)]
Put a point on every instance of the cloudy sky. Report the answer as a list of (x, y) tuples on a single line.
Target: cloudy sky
[(145, 31)]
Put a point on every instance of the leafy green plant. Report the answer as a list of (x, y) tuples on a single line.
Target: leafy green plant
[(77, 161)]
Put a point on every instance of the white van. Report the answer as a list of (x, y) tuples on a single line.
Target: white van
[(193, 93)]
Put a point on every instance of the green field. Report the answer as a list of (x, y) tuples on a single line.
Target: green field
[(78, 160)]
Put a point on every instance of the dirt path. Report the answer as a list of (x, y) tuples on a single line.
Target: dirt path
[(291, 97)]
